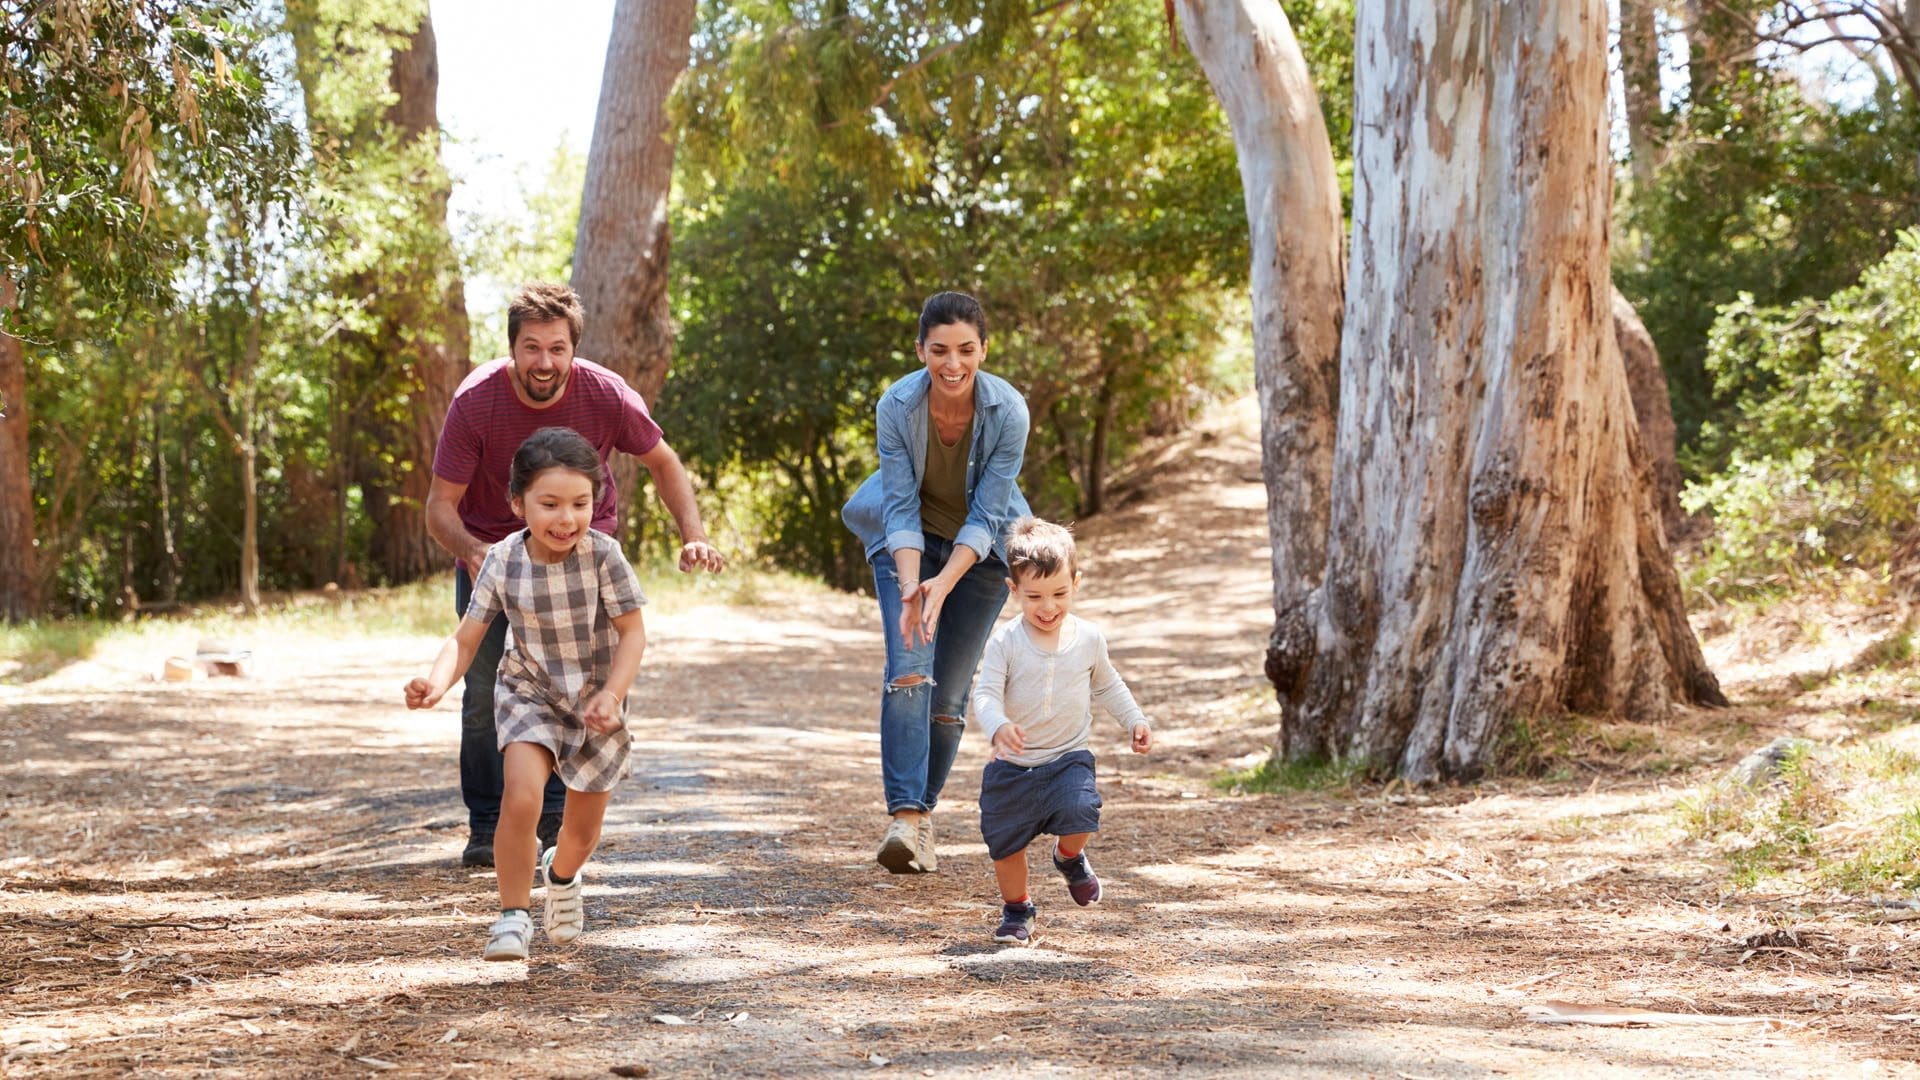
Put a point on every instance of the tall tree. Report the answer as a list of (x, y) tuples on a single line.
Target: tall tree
[(620, 251), (103, 107), (1493, 548), (1298, 278), (370, 76), (622, 245), (19, 575), (1640, 84)]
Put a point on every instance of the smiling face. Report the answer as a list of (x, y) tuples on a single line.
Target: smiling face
[(952, 354), (542, 360), (558, 509), (1045, 599)]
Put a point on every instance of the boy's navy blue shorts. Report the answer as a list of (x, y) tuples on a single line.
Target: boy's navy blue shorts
[(1019, 803)]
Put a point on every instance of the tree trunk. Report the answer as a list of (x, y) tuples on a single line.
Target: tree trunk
[(620, 252), (1496, 554), (1719, 40), (169, 551), (1652, 410), (1255, 65), (19, 574), (247, 426), (1095, 498), (1640, 84), (428, 321)]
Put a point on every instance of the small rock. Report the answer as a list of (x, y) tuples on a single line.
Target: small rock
[(1760, 767)]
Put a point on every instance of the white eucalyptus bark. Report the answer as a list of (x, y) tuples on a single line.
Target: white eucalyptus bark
[(620, 252), (1494, 553), (1251, 57)]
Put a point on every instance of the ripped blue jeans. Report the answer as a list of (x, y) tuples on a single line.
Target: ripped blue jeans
[(921, 723)]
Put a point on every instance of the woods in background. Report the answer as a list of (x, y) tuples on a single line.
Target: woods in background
[(237, 304)]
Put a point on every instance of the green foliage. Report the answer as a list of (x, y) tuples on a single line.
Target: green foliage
[(1836, 818), (1824, 434), (531, 242), (1276, 773), (112, 111), (1767, 192), (842, 162)]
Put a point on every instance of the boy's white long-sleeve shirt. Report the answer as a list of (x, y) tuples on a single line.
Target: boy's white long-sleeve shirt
[(1049, 694)]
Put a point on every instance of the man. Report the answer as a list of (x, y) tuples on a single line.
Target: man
[(542, 384)]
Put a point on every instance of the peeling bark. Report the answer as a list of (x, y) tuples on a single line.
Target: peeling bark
[(1254, 63), (1494, 554)]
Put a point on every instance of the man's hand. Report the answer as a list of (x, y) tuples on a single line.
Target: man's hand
[(1009, 740), (1142, 738), (700, 554), (422, 695), (602, 714)]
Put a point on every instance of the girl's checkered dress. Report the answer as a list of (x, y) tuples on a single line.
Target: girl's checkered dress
[(561, 649)]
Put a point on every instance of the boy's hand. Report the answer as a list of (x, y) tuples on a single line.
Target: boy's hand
[(1142, 738), (602, 714), (1009, 740), (421, 695)]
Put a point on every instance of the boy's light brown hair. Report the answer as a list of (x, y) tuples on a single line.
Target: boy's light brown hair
[(545, 301), (1039, 548)]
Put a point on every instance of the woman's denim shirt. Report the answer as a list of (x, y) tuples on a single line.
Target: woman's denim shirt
[(885, 512)]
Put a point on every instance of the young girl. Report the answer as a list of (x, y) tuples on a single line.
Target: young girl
[(573, 604)]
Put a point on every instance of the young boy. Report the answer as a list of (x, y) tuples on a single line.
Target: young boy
[(1038, 679)]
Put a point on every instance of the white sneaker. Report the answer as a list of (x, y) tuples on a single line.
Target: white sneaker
[(508, 938), (566, 916)]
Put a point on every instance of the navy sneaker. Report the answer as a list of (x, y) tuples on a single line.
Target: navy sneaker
[(479, 851), (1082, 883), (1016, 924)]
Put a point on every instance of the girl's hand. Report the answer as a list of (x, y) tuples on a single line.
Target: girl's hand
[(421, 695), (1142, 738), (1009, 740), (602, 714)]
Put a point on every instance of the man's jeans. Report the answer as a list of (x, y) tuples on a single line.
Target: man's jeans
[(916, 752), (482, 766)]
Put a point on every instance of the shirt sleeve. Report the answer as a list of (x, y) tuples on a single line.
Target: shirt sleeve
[(456, 456), (619, 585), (990, 504), (990, 688), (898, 487), (1111, 691), (638, 433), (489, 586)]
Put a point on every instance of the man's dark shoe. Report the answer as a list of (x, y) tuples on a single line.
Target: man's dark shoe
[(1016, 924), (479, 851), (548, 830), (1082, 883)]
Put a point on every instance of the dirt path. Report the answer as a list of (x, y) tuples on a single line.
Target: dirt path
[(262, 878)]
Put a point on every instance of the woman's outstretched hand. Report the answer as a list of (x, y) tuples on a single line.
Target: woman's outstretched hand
[(933, 596), (912, 621)]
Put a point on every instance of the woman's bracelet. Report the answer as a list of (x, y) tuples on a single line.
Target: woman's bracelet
[(908, 586)]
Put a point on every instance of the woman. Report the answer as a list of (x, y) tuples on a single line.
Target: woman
[(933, 518)]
